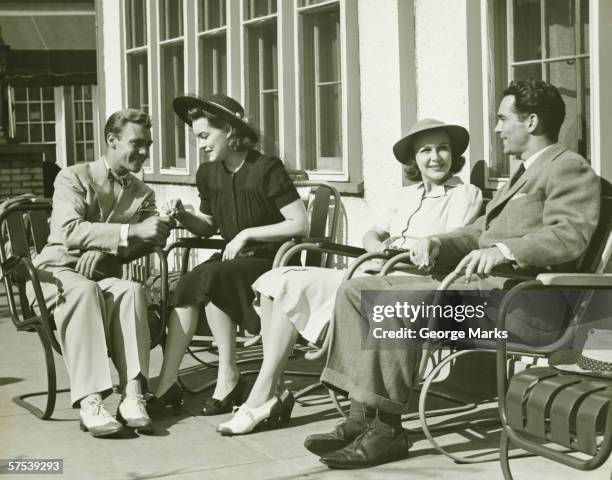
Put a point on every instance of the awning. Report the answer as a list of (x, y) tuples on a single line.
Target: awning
[(51, 67), (53, 79), (49, 32), (50, 48)]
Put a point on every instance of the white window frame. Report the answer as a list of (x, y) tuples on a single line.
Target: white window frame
[(600, 44), (150, 166), (349, 75), (42, 122), (288, 84), (247, 64), (94, 121), (159, 43)]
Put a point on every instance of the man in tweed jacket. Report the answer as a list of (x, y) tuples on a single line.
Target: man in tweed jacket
[(544, 217)]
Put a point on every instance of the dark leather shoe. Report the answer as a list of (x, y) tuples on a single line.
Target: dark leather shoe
[(380, 443), (343, 434), (173, 397), (214, 406)]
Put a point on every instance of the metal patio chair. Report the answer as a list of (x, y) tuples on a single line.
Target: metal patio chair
[(324, 206), (24, 230), (593, 262)]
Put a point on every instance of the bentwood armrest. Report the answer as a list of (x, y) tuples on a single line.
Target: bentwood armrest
[(196, 242), (319, 245)]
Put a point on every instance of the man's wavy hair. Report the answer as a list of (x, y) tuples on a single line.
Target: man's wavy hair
[(541, 98), (412, 169), (238, 141), (117, 121)]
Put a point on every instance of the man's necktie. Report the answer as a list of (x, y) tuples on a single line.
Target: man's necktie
[(518, 174), (123, 182)]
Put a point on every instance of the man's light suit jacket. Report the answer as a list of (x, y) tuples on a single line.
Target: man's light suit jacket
[(87, 215)]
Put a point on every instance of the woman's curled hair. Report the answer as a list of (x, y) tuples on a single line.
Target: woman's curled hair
[(238, 140)]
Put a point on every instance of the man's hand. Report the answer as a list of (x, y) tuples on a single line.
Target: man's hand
[(424, 252), (153, 230), (87, 263), (481, 262), (232, 249)]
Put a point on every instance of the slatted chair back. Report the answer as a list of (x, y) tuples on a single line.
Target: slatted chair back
[(323, 203), (24, 227), (324, 214)]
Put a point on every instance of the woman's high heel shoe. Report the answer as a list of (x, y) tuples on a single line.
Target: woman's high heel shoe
[(173, 397), (235, 397), (245, 418), (287, 401)]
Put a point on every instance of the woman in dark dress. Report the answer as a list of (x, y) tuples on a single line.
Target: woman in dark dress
[(250, 200)]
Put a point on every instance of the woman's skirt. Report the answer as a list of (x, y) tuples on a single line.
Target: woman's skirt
[(306, 295), (227, 285)]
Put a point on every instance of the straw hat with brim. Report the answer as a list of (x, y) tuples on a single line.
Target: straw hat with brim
[(219, 105), (596, 356), (459, 138)]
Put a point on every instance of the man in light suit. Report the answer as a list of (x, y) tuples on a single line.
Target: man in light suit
[(544, 217), (102, 217)]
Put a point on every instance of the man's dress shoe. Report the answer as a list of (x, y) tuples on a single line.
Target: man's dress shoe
[(132, 412), (380, 443), (96, 420), (343, 434)]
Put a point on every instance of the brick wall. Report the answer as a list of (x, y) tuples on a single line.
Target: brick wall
[(21, 169)]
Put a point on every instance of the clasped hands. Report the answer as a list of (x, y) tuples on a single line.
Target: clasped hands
[(478, 262)]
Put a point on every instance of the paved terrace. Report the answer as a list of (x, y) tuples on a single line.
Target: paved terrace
[(187, 446)]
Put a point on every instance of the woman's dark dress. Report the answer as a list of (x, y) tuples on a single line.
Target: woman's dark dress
[(250, 197)]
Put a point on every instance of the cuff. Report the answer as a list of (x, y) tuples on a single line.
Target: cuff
[(505, 251), (123, 234)]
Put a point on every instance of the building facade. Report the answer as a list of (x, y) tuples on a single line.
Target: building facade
[(48, 91), (333, 84)]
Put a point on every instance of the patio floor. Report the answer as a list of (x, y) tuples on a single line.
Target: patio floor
[(187, 446)]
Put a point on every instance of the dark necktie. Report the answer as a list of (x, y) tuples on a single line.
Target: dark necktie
[(124, 181), (518, 174)]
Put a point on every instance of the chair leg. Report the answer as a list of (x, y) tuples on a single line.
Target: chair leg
[(334, 398), (504, 457), (51, 391), (305, 391), (423, 414)]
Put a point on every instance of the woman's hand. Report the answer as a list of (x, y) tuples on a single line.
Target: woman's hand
[(232, 249), (424, 253), (174, 208)]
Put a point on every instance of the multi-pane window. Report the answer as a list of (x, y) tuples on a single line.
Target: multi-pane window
[(136, 52), (280, 59), (212, 44), (261, 69), (83, 146), (34, 114), (172, 82), (549, 40), (321, 87)]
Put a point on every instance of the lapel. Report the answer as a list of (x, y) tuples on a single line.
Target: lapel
[(103, 188), (534, 171), (128, 202)]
